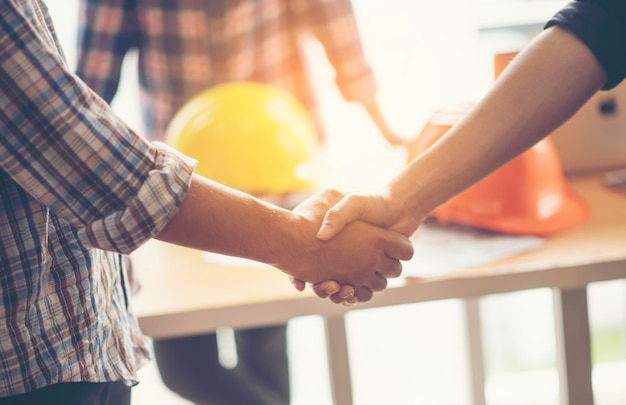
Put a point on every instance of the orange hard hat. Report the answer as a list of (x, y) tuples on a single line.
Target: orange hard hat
[(528, 195)]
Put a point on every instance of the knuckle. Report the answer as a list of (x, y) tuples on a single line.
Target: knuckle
[(352, 199), (382, 284), (371, 261), (396, 270), (332, 214), (365, 296), (408, 251), (334, 193), (320, 292)]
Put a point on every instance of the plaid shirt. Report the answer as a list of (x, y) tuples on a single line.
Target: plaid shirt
[(187, 46), (75, 185)]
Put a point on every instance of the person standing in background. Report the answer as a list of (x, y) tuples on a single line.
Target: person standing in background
[(185, 47)]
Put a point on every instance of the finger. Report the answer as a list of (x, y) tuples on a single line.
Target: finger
[(349, 302), (390, 268), (345, 294), (336, 218), (364, 294), (377, 283), (337, 299), (320, 201), (398, 246), (326, 288), (297, 283)]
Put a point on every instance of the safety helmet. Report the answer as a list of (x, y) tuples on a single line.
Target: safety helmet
[(250, 136), (528, 195)]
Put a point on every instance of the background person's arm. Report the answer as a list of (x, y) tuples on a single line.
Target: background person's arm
[(334, 24)]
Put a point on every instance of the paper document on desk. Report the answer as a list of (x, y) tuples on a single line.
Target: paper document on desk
[(441, 249)]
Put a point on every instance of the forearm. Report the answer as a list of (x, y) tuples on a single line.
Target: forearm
[(545, 84), (219, 219)]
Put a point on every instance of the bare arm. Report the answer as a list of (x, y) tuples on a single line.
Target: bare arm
[(222, 220), (542, 87), (219, 219)]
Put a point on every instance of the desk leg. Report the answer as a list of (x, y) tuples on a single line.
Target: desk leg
[(338, 362), (571, 319), (475, 350)]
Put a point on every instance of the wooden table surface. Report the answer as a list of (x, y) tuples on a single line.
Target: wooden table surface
[(185, 293)]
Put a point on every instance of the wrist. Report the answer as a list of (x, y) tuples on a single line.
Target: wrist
[(407, 200), (292, 253)]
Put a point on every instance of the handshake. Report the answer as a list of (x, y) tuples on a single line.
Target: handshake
[(348, 245)]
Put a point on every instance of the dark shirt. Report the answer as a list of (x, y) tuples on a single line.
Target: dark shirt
[(601, 25)]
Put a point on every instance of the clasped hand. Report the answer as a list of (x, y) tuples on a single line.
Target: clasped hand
[(354, 258)]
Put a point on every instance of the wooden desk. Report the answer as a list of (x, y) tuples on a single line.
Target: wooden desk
[(184, 294)]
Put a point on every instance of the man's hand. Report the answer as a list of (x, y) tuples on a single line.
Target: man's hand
[(339, 294), (362, 256), (380, 209), (375, 208)]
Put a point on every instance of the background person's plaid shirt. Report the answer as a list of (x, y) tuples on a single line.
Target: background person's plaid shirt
[(187, 46), (75, 185)]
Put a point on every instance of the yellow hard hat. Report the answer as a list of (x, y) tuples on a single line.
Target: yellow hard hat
[(250, 136)]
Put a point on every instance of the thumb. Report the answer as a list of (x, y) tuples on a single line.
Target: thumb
[(337, 217), (327, 230)]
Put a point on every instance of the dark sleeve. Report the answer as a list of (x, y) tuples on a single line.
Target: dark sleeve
[(601, 25)]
